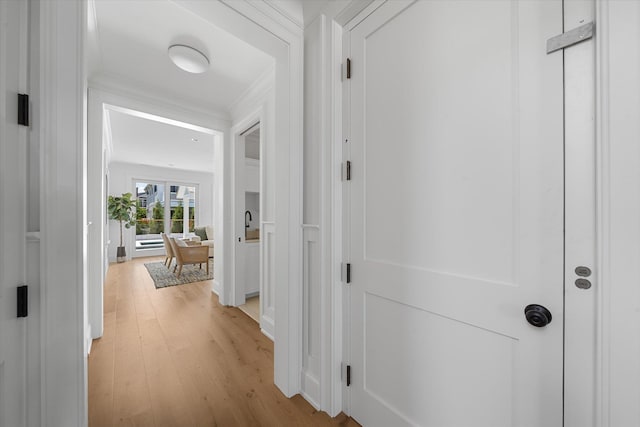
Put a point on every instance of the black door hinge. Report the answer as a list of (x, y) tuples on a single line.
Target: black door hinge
[(347, 170), (23, 109), (23, 301), (348, 375), (348, 68), (348, 273)]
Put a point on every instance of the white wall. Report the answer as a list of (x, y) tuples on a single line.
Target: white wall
[(252, 175), (121, 180)]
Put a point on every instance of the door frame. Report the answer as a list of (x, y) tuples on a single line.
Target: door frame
[(61, 94), (264, 26), (579, 311), (17, 172), (258, 119), (238, 132), (100, 99), (580, 365), (59, 103)]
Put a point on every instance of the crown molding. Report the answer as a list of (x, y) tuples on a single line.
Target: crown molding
[(254, 94), (274, 10), (116, 86)]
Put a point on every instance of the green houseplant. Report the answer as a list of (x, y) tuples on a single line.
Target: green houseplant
[(123, 210)]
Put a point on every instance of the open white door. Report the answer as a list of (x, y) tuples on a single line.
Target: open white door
[(13, 164), (456, 214)]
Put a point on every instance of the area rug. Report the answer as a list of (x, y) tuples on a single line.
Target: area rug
[(163, 276)]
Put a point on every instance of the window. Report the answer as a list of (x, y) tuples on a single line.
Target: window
[(150, 215), (157, 213), (184, 199)]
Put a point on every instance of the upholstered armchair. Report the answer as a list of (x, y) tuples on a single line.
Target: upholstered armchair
[(186, 254), (169, 249), (204, 235)]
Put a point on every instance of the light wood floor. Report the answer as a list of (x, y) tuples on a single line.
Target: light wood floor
[(175, 357), (252, 308)]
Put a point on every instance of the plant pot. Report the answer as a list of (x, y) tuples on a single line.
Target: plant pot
[(121, 255)]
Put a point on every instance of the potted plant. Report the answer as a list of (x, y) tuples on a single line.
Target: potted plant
[(122, 209)]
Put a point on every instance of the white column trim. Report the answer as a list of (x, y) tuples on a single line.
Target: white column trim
[(62, 83), (580, 221)]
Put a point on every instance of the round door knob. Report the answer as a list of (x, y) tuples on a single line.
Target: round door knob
[(537, 315)]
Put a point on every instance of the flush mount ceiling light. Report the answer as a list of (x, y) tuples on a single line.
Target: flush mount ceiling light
[(188, 58)]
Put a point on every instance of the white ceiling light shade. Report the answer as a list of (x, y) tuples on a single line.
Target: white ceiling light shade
[(188, 58)]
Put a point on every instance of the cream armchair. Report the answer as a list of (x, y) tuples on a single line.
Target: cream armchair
[(168, 249), (207, 233), (186, 254)]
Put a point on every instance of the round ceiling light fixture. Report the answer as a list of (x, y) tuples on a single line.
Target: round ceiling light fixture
[(188, 58)]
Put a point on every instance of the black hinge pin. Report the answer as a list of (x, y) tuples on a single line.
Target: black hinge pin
[(348, 68), (348, 273), (348, 375), (23, 109), (23, 301)]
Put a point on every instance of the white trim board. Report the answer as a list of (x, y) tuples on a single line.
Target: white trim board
[(618, 210), (61, 110), (580, 220)]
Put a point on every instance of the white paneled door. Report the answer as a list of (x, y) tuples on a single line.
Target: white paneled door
[(13, 332), (456, 214)]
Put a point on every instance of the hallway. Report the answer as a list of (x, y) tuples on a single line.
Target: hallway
[(175, 357)]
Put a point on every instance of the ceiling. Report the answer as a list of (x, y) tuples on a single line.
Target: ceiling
[(145, 141), (128, 42)]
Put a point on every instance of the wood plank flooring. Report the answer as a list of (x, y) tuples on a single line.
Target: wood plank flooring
[(175, 357), (252, 308)]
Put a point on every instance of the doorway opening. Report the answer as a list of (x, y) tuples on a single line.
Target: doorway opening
[(249, 202), (165, 163), (115, 81)]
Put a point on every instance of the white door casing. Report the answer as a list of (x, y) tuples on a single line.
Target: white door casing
[(580, 317), (13, 190), (238, 220), (456, 214)]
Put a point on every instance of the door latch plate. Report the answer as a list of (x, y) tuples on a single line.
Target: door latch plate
[(569, 38)]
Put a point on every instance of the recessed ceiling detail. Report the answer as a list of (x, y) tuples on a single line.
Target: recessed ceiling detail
[(148, 142)]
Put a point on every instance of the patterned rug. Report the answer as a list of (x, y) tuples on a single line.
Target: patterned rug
[(163, 276)]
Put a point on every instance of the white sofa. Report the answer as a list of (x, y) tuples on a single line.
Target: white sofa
[(208, 241)]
